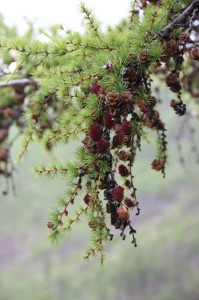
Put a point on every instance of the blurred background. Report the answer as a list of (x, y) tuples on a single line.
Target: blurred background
[(165, 264)]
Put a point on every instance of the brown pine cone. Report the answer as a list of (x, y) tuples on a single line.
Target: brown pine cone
[(146, 121), (158, 164), (3, 134), (123, 213), (179, 107), (143, 106), (126, 97), (194, 54), (171, 79), (50, 225), (153, 121), (112, 99), (89, 144), (184, 37), (3, 154), (145, 58), (133, 76), (128, 202), (123, 155), (173, 82), (172, 47)]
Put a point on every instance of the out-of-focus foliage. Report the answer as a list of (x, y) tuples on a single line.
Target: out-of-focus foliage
[(164, 264)]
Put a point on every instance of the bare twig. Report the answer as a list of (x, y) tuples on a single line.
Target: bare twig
[(19, 82), (180, 19)]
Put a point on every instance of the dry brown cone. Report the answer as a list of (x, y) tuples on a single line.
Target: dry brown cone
[(172, 47), (171, 79), (157, 164), (184, 37), (145, 58), (128, 202), (154, 121), (50, 225), (133, 77), (3, 154), (126, 97), (112, 99), (147, 122), (3, 134), (143, 106), (89, 144), (194, 54), (173, 103), (123, 155), (123, 212)]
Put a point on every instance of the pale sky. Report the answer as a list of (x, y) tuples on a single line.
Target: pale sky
[(66, 12)]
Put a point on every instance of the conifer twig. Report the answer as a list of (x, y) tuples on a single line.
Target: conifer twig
[(52, 170), (180, 19), (133, 10), (91, 47), (19, 82), (90, 18)]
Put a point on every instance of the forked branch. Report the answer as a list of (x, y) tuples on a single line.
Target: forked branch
[(180, 19)]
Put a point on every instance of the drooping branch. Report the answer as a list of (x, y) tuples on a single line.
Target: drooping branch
[(19, 82), (180, 19)]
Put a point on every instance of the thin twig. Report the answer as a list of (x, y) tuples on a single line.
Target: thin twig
[(180, 19), (19, 82)]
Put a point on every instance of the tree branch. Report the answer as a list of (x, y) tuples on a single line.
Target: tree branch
[(19, 82), (180, 19)]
